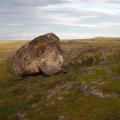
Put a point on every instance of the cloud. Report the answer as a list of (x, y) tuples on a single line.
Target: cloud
[(85, 35), (37, 6), (15, 24), (33, 3), (28, 18), (110, 25), (81, 8), (18, 36)]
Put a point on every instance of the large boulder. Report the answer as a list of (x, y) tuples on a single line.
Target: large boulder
[(42, 55)]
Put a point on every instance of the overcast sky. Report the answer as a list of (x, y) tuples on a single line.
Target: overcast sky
[(26, 19)]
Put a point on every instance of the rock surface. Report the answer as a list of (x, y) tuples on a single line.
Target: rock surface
[(42, 55)]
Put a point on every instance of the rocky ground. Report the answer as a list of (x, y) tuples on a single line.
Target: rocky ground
[(89, 90)]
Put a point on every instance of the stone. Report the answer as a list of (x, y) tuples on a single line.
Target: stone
[(61, 118), (26, 87), (60, 98), (20, 115), (34, 105), (42, 55)]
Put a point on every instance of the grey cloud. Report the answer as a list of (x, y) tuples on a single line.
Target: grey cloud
[(45, 2), (116, 1), (28, 2), (21, 18), (29, 6)]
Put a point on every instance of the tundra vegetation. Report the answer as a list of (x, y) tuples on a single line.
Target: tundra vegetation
[(89, 90)]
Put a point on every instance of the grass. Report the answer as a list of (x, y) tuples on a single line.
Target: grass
[(93, 63)]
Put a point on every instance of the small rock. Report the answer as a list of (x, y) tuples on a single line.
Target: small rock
[(61, 118), (90, 90), (102, 83), (53, 91), (19, 78), (85, 89), (60, 98), (68, 85), (34, 105), (112, 95), (29, 97), (97, 93), (51, 103), (26, 87), (20, 115)]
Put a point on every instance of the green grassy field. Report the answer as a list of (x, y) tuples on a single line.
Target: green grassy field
[(90, 90)]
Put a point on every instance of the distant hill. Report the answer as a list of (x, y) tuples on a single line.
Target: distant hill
[(107, 39)]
